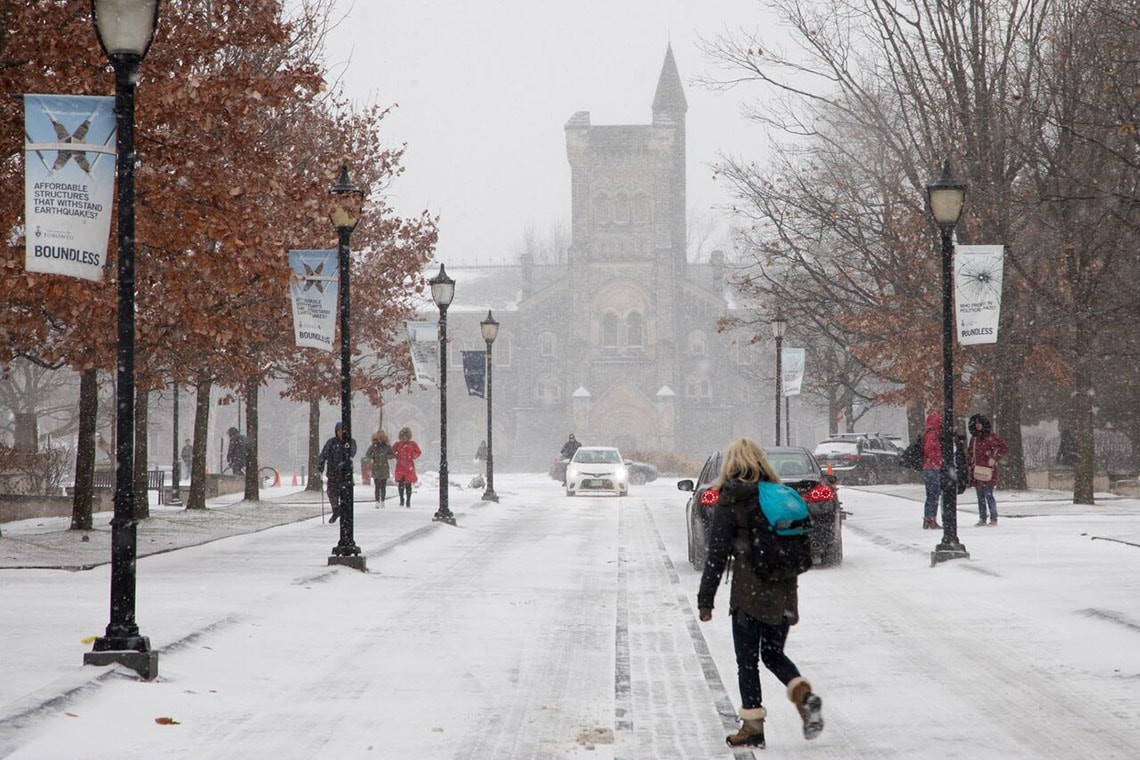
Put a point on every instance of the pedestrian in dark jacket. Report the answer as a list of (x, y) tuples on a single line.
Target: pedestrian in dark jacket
[(236, 452), (407, 452), (380, 452), (570, 447), (762, 611), (932, 469), (339, 468), (984, 453)]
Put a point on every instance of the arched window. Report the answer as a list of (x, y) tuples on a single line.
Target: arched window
[(610, 330), (547, 392), (698, 345), (602, 209), (641, 209), (621, 210), (634, 335), (502, 349), (546, 344)]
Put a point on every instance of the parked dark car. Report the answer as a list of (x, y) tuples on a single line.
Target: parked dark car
[(798, 469), (861, 458)]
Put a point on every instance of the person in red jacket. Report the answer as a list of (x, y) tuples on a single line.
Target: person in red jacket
[(932, 469), (407, 452), (985, 451)]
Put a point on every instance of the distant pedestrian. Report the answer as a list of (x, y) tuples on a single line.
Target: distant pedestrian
[(336, 463), (570, 447), (187, 457), (407, 452), (481, 458), (380, 452), (762, 611), (1067, 449), (236, 452), (982, 457), (932, 469)]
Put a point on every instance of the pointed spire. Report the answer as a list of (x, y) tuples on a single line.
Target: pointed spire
[(670, 95)]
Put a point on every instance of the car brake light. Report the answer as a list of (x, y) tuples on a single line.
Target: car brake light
[(851, 457), (709, 497), (819, 492)]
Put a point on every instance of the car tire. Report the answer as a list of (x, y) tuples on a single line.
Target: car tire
[(569, 492), (872, 478), (832, 551), (697, 551)]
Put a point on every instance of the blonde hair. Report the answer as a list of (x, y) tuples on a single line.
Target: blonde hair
[(744, 460), (405, 434)]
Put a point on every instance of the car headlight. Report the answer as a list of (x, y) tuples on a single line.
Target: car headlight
[(571, 472), (620, 472)]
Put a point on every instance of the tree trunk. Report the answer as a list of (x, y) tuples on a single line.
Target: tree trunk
[(142, 497), (85, 450), (197, 497), (1086, 445), (314, 483), (252, 492)]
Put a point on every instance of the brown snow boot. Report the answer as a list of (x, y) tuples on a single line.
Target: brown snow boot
[(809, 706), (751, 733)]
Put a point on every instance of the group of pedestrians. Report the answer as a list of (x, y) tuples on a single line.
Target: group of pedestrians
[(336, 463), (975, 465)]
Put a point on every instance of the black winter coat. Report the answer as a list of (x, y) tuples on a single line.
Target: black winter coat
[(333, 455), (767, 601)]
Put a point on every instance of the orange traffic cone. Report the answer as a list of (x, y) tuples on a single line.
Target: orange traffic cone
[(294, 477), (830, 471)]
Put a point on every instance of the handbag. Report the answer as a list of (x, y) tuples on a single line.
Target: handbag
[(983, 473)]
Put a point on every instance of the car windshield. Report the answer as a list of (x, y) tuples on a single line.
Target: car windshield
[(597, 456), (793, 466), (836, 448)]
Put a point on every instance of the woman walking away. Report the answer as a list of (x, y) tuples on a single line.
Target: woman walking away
[(407, 452), (982, 456), (762, 611), (380, 452)]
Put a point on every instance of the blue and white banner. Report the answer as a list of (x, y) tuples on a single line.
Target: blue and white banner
[(423, 342), (69, 183), (978, 271), (793, 370), (313, 281), (475, 372)]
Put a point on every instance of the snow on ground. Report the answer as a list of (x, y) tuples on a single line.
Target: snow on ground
[(554, 627)]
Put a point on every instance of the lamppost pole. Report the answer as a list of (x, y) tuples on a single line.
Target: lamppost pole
[(490, 329), (347, 201), (176, 467), (779, 324), (946, 197), (442, 291), (125, 34)]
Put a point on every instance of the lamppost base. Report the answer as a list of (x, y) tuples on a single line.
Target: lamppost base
[(354, 561), (490, 495), (945, 552), (145, 663), (444, 517)]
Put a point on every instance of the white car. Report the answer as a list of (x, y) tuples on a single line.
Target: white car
[(597, 469)]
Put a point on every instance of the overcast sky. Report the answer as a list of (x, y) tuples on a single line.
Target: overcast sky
[(485, 88)]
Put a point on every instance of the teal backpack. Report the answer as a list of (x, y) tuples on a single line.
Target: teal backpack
[(779, 533)]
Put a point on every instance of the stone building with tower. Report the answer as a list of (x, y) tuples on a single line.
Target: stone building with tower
[(619, 343)]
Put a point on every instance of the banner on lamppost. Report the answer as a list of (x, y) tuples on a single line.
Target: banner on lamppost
[(977, 292), (423, 342), (313, 280), (793, 370), (69, 183), (475, 372)]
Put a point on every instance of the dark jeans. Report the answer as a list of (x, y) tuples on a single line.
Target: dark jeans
[(405, 490), (381, 486), (933, 481), (755, 642), (986, 499), (332, 488)]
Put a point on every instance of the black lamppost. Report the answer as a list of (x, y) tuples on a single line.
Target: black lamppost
[(176, 466), (442, 291), (779, 324), (946, 197), (125, 30), (490, 329), (345, 205)]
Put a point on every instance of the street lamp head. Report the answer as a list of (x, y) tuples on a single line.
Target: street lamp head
[(779, 323), (442, 289), (946, 197), (346, 203), (125, 27), (490, 328)]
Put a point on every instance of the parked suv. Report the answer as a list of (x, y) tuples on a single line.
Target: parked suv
[(798, 469), (861, 458)]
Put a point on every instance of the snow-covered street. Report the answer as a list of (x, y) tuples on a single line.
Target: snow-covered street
[(554, 627)]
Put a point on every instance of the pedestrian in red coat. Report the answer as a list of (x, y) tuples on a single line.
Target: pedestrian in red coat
[(932, 469), (407, 452), (982, 457)]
